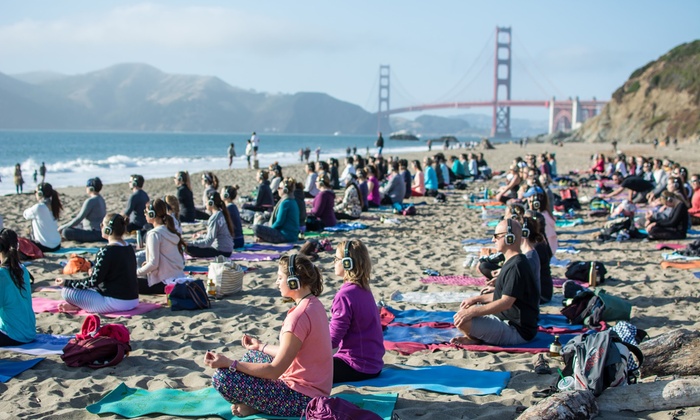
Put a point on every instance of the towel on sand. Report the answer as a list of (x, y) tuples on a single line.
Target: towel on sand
[(444, 379), (12, 368), (42, 345), (134, 402), (75, 250), (41, 304), (456, 280), (431, 297), (683, 265)]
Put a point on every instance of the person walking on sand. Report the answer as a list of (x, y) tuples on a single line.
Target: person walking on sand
[(380, 144), (318, 153), (42, 172), (35, 175), (19, 181), (248, 151), (231, 154), (256, 143)]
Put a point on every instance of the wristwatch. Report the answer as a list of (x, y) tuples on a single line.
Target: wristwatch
[(233, 366)]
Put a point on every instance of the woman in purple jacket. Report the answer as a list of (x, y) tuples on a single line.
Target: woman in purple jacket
[(322, 214), (356, 330)]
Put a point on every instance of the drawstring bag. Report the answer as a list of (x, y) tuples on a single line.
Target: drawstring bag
[(97, 346), (335, 408)]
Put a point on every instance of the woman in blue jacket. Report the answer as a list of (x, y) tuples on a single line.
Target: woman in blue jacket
[(284, 222)]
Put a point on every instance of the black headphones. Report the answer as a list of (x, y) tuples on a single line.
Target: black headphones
[(510, 237), (292, 279), (151, 211), (40, 190), (347, 261), (261, 175), (526, 230), (134, 181), (211, 201), (109, 228), (180, 176), (91, 184), (536, 203)]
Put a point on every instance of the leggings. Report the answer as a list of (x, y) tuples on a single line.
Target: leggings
[(93, 302), (6, 341), (196, 252), (268, 396), (82, 235), (145, 289), (342, 372), (46, 248), (665, 233)]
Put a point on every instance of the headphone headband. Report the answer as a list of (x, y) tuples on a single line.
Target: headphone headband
[(109, 229), (526, 230), (292, 279), (510, 237), (151, 210)]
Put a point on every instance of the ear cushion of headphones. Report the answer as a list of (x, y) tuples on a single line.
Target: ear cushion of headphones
[(151, 212), (292, 279), (510, 237), (526, 230), (211, 202), (536, 204), (348, 263), (108, 229)]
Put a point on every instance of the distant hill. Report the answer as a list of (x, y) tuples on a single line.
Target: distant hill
[(659, 100), (142, 98), (472, 125)]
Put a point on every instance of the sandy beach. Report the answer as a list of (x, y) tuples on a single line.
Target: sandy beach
[(168, 347)]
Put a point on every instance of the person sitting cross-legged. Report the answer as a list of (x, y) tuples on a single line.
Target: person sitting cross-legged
[(508, 316)]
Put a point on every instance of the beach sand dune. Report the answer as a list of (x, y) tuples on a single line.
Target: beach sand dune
[(168, 347)]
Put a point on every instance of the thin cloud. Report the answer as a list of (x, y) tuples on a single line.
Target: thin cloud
[(151, 26)]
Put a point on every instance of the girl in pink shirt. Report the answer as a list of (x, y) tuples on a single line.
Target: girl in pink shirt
[(280, 380)]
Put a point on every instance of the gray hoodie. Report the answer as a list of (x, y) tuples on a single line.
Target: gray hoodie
[(163, 260), (218, 235)]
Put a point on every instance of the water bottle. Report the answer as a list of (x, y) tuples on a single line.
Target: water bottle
[(484, 213), (486, 194), (472, 197), (139, 239)]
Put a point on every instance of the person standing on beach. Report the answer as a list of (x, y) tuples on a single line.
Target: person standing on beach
[(508, 315), (248, 151), (231, 154), (35, 175), (307, 154), (42, 172), (380, 144), (19, 181), (318, 153), (256, 142)]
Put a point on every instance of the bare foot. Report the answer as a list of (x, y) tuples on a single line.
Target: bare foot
[(242, 410), (67, 308), (464, 341)]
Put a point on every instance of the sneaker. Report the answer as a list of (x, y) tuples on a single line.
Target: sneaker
[(541, 365)]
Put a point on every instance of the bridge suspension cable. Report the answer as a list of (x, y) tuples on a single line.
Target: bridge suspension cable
[(544, 76), (453, 93), (398, 88)]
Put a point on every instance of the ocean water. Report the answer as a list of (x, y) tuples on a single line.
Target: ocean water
[(73, 157)]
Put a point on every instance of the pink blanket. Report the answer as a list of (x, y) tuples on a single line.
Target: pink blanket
[(41, 304), (244, 256)]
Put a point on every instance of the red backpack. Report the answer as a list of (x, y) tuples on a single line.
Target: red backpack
[(97, 347)]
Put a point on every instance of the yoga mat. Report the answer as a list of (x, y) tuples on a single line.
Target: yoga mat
[(673, 256), (11, 368), (476, 241), (414, 316), (456, 280), (444, 379), (499, 206), (570, 241), (579, 232), (74, 250), (431, 298), (685, 265), (422, 335), (196, 269), (41, 304), (558, 282), (670, 246), (554, 262), (250, 256), (568, 223), (42, 345), (345, 227), (567, 250), (268, 247), (697, 274), (133, 402)]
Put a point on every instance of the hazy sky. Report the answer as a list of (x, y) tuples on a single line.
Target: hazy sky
[(437, 50)]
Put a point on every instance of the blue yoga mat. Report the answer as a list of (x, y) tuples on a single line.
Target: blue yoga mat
[(416, 316), (133, 402), (42, 344), (11, 368), (444, 379), (345, 227), (477, 241), (422, 335), (75, 250)]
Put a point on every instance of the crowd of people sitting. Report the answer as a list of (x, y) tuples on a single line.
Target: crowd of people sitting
[(281, 379)]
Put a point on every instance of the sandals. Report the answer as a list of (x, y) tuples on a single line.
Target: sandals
[(541, 365)]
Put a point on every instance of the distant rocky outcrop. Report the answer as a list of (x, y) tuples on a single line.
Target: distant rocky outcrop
[(659, 100), (140, 97)]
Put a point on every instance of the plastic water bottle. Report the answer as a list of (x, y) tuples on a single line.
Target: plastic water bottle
[(472, 197), (486, 193), (484, 213)]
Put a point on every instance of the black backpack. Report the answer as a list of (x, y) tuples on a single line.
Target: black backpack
[(580, 271)]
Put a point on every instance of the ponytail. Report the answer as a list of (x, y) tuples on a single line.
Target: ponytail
[(9, 245), (219, 203), (161, 209), (56, 205)]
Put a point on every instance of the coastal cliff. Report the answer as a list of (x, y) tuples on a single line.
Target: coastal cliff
[(659, 100)]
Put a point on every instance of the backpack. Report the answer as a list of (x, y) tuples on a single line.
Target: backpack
[(335, 408), (189, 296), (580, 270), (28, 250), (600, 360), (97, 347), (590, 307), (76, 264)]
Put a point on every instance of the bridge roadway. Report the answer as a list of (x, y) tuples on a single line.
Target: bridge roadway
[(502, 103)]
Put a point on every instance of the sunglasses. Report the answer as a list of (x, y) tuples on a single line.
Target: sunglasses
[(497, 236)]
